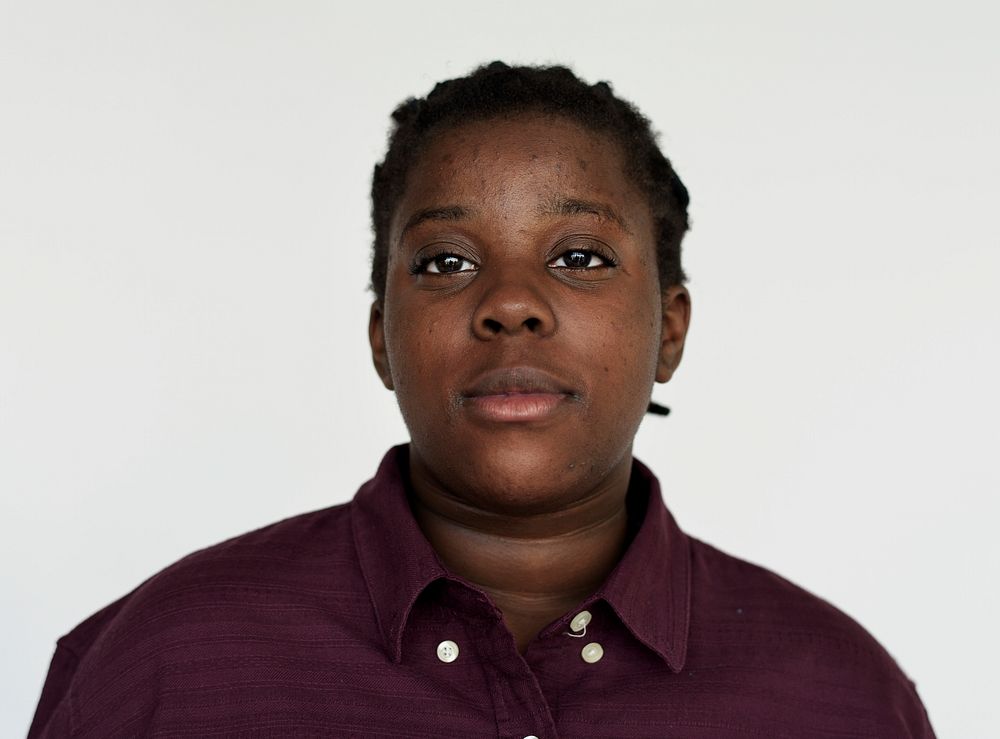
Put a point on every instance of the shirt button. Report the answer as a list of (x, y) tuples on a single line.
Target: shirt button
[(531, 736), (448, 651), (580, 621), (592, 653)]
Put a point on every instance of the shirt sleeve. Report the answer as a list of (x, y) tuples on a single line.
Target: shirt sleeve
[(52, 716), (918, 722)]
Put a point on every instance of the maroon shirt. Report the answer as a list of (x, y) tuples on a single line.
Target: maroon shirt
[(343, 622)]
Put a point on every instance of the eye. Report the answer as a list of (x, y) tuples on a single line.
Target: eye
[(580, 259), (444, 264)]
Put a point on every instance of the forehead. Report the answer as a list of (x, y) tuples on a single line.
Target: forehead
[(521, 163)]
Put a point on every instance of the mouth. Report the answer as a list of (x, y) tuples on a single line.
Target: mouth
[(517, 394)]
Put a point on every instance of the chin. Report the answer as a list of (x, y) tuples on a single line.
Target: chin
[(532, 478)]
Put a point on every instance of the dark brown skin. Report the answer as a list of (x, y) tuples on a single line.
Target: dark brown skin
[(526, 502)]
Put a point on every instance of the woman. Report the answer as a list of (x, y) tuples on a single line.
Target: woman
[(512, 571)]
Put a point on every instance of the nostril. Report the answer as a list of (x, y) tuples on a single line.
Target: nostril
[(493, 325), (532, 323)]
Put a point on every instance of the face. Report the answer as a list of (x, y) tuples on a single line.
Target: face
[(523, 324)]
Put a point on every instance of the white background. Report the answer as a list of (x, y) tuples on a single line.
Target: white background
[(184, 243)]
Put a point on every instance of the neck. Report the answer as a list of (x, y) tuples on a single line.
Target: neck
[(535, 567)]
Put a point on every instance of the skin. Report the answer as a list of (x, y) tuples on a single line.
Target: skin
[(521, 243)]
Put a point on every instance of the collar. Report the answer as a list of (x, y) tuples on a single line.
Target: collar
[(398, 563), (396, 559), (654, 602)]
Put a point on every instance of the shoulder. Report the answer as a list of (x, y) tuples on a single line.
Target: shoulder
[(243, 599), (727, 586), (781, 614), (291, 556), (298, 559), (749, 615)]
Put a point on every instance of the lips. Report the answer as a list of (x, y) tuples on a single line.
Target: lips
[(517, 394), (516, 381)]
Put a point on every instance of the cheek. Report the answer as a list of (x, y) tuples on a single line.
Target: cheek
[(631, 343), (628, 348), (637, 375), (418, 357)]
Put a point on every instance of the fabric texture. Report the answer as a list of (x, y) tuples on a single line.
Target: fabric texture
[(329, 624)]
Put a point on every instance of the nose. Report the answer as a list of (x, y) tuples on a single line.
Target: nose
[(512, 305)]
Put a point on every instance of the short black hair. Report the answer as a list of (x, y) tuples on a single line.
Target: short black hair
[(497, 90)]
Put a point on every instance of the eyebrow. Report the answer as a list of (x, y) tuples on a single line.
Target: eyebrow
[(445, 213), (560, 206), (557, 206)]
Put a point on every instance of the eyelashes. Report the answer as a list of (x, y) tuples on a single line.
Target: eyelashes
[(443, 263), (582, 259), (586, 258)]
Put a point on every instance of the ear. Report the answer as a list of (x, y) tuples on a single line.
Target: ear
[(376, 338), (676, 319)]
